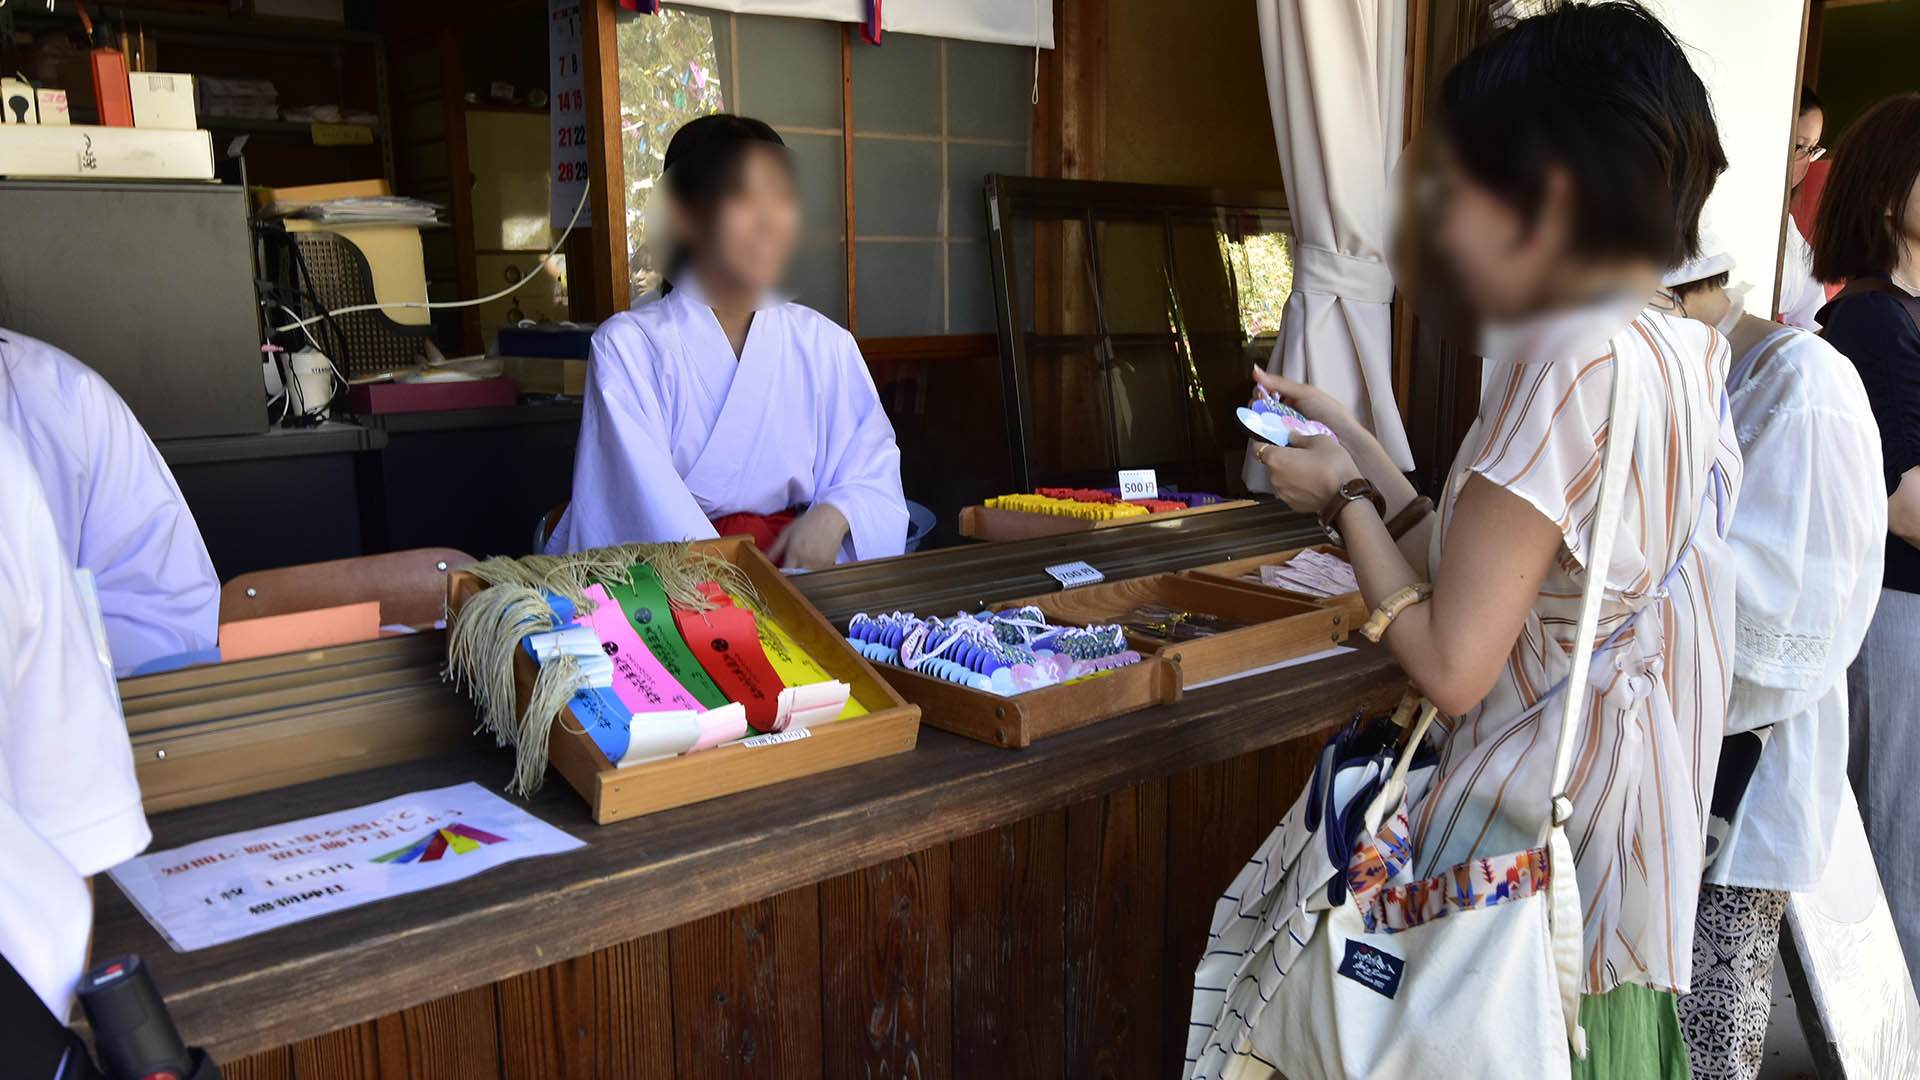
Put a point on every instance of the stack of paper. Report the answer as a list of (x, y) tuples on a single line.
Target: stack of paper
[(1314, 573), (362, 210)]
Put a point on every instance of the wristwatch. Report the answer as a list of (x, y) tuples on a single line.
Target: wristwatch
[(1351, 491)]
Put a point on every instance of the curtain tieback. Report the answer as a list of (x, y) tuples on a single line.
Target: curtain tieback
[(1351, 277)]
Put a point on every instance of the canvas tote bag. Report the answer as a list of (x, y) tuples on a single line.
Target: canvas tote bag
[(1327, 961)]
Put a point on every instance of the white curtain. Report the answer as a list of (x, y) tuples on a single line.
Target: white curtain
[(1007, 22), (1336, 82)]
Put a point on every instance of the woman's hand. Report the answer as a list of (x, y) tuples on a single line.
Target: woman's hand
[(813, 541), (1309, 473), (1312, 403)]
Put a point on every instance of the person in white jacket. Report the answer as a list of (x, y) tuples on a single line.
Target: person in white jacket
[(69, 803), (1808, 538)]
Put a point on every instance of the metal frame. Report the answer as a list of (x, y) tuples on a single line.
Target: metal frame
[(1092, 203)]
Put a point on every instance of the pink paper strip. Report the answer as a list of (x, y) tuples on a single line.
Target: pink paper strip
[(641, 682)]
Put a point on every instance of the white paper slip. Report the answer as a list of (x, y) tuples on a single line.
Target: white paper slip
[(1074, 574), (1138, 484), (241, 884)]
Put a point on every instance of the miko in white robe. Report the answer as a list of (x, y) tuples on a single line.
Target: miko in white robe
[(115, 504), (677, 432)]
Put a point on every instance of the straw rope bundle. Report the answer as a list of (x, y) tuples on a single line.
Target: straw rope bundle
[(484, 636)]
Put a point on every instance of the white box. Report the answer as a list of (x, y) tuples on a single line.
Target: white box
[(18, 105), (162, 100), (53, 106), (104, 153)]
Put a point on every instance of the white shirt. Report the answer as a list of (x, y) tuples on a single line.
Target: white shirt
[(677, 432), (69, 804), (1809, 541), (1800, 295), (114, 503)]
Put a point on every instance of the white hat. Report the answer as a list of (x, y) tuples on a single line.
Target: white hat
[(1712, 258)]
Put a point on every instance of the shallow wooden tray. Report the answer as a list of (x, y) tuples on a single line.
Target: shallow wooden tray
[(1352, 607), (992, 523), (1018, 720), (891, 726), (1283, 627), (219, 730)]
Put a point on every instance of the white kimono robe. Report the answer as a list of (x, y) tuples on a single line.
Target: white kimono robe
[(69, 804), (1809, 541), (114, 502), (677, 432)]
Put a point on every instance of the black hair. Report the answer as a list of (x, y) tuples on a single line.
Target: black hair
[(1687, 289), (1809, 102), (1604, 91), (1860, 221), (703, 164)]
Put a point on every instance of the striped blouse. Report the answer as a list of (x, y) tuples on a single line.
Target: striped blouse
[(1644, 763)]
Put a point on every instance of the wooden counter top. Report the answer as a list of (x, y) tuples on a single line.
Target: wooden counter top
[(664, 870)]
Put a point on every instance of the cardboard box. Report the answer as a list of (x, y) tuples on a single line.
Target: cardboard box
[(162, 100)]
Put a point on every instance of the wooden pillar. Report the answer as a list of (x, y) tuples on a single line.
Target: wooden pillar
[(606, 283)]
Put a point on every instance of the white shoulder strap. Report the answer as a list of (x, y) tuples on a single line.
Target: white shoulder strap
[(1622, 423), (1565, 915)]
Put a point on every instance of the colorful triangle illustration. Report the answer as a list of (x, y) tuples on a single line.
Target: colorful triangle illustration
[(461, 838)]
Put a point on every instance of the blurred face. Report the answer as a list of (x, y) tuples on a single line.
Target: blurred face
[(1502, 264), (754, 229), (1806, 142)]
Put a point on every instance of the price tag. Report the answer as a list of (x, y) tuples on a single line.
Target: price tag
[(1074, 574), (566, 113), (776, 738), (1138, 484)]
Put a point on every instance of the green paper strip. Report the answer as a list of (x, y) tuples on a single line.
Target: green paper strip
[(647, 610)]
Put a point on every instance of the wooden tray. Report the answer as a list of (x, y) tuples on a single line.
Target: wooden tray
[(220, 730), (891, 725), (1285, 627), (1352, 607), (1018, 720), (992, 523)]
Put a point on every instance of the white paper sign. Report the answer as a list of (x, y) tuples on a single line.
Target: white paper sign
[(241, 884), (1138, 484), (1076, 573), (778, 737), (566, 113)]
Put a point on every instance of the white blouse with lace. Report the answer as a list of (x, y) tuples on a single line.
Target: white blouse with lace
[(1809, 542)]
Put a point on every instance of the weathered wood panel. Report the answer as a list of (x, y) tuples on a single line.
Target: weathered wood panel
[(885, 949), (746, 990), (1009, 914), (1116, 891)]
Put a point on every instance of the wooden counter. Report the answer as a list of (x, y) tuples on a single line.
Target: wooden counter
[(993, 846), (957, 911)]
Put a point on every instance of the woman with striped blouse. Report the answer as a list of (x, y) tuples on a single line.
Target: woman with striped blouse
[(1575, 153)]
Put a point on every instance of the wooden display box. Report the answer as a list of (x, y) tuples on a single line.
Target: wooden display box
[(992, 523), (1283, 627), (891, 725), (1017, 720), (1352, 607), (220, 730)]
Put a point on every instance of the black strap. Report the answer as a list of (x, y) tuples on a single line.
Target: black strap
[(38, 1044), (1910, 304)]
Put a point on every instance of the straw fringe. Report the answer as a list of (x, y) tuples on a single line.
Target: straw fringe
[(484, 636)]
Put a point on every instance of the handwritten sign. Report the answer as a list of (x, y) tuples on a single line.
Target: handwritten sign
[(1074, 574), (1138, 484), (244, 883), (566, 113)]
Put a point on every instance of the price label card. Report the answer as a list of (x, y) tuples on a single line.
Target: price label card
[(1138, 484), (1074, 574), (567, 113)]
